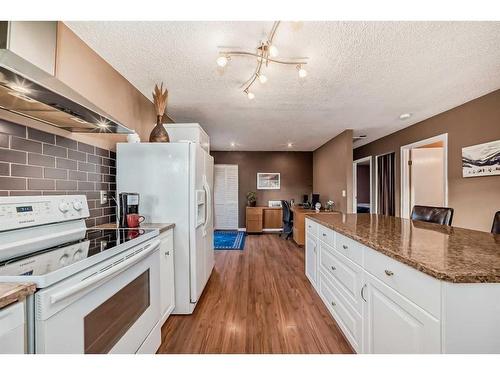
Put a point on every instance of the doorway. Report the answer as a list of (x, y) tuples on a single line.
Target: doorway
[(424, 174), (362, 185)]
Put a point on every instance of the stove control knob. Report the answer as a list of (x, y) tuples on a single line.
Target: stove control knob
[(78, 255), (63, 260), (77, 205), (63, 207)]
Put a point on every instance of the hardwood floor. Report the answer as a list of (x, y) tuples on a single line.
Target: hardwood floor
[(256, 301)]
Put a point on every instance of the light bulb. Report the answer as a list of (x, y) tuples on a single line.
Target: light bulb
[(222, 61), (273, 51), (302, 72), (262, 78), (250, 95)]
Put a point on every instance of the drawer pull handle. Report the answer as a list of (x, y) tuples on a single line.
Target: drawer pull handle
[(362, 293), (324, 234), (389, 272), (334, 304), (333, 268), (309, 226), (167, 253), (345, 247)]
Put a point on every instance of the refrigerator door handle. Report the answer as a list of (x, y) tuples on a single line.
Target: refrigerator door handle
[(208, 203)]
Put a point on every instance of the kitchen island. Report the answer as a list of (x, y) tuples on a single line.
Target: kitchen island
[(400, 286)]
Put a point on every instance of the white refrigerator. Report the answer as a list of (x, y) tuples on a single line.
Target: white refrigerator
[(175, 183)]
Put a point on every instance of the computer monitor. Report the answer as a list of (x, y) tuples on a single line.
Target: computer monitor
[(314, 200)]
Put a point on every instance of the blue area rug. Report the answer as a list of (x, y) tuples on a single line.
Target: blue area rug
[(229, 240)]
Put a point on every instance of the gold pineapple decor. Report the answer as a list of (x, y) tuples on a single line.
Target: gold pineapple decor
[(160, 97)]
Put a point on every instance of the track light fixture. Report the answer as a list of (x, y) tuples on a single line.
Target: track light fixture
[(266, 54)]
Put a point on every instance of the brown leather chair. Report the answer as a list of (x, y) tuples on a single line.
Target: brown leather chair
[(495, 228), (438, 215)]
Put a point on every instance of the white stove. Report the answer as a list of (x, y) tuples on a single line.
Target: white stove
[(97, 290)]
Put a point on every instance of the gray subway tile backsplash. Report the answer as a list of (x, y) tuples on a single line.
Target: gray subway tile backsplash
[(34, 162)]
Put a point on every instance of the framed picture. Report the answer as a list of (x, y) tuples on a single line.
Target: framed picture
[(268, 181), (481, 160)]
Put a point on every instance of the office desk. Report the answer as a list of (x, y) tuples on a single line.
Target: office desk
[(299, 222), (261, 218)]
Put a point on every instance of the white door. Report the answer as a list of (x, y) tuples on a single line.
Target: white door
[(394, 325), (311, 259), (427, 186), (226, 196)]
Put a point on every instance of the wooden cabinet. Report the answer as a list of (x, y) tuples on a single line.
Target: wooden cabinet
[(259, 219), (394, 325), (12, 329), (167, 280), (254, 219)]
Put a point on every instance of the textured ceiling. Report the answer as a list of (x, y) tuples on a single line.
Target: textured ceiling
[(362, 75)]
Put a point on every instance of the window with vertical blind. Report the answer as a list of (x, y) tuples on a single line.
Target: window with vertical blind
[(226, 196)]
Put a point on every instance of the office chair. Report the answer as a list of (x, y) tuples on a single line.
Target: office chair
[(495, 228), (287, 220), (437, 215)]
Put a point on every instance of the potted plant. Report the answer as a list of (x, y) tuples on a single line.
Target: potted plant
[(251, 198)]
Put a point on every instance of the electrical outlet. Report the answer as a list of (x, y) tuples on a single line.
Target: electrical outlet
[(103, 196)]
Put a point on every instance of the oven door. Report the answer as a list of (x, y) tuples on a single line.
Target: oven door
[(111, 308)]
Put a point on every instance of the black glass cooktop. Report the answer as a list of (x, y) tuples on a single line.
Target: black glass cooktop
[(91, 243)]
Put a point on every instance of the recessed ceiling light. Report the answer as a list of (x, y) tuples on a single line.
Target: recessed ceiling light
[(405, 116), (290, 145), (233, 144)]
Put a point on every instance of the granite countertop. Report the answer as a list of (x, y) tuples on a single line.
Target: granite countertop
[(162, 227), (447, 253), (13, 292)]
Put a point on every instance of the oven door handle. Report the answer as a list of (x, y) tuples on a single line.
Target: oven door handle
[(86, 283)]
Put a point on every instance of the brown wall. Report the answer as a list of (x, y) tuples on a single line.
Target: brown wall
[(332, 171), (476, 199), (363, 184), (295, 168)]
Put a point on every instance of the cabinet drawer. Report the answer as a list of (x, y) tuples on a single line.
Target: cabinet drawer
[(347, 276), (349, 321), (326, 235), (311, 227), (349, 248), (421, 289)]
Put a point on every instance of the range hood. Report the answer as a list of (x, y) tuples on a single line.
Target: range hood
[(29, 88)]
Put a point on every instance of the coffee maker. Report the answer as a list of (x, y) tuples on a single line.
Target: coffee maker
[(129, 204)]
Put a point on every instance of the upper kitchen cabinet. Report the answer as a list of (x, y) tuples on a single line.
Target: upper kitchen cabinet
[(32, 40), (82, 69)]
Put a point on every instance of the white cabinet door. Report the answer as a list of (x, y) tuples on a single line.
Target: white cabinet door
[(167, 282), (393, 324), (12, 329), (311, 259)]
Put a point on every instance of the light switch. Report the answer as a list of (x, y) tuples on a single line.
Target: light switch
[(343, 193)]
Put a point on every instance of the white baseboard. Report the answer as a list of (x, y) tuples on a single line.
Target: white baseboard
[(242, 229)]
